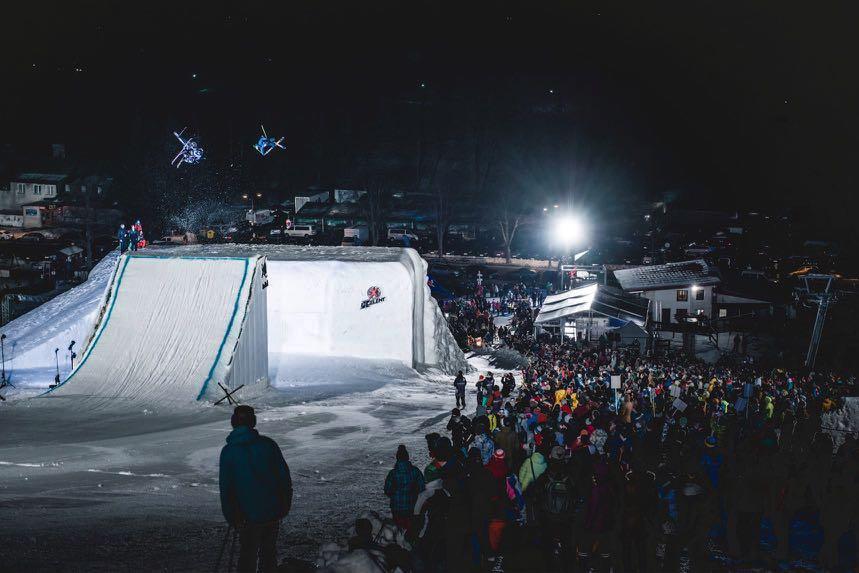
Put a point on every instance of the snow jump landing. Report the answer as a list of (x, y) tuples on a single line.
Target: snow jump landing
[(172, 324), (173, 328)]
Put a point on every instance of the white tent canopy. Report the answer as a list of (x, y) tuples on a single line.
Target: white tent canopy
[(594, 298)]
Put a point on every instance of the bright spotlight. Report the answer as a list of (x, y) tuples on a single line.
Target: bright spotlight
[(569, 231)]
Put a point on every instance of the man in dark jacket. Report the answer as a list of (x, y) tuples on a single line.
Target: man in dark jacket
[(459, 427), (256, 490), (459, 385), (403, 485)]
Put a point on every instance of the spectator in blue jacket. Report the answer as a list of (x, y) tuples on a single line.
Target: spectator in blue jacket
[(403, 485), (256, 490)]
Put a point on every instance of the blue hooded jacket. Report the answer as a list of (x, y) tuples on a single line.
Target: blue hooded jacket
[(254, 478)]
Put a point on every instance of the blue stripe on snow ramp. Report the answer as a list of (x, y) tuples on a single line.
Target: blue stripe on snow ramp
[(226, 334), (117, 292)]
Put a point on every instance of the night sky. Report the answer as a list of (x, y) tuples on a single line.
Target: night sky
[(734, 104)]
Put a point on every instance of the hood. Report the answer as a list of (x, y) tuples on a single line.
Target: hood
[(539, 462), (242, 435)]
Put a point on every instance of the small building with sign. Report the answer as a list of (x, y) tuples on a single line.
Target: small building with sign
[(675, 290)]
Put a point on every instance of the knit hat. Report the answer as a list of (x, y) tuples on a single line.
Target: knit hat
[(711, 442), (402, 453), (499, 453)]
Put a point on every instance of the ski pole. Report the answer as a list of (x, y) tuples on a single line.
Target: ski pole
[(223, 546), (232, 550)]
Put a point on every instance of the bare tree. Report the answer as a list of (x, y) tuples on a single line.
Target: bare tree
[(509, 221), (443, 212), (509, 215), (374, 206)]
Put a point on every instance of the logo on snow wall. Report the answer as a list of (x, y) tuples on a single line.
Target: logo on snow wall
[(374, 296)]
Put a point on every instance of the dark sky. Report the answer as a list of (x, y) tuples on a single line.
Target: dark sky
[(739, 103)]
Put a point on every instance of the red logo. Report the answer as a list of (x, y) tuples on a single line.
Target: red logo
[(374, 296)]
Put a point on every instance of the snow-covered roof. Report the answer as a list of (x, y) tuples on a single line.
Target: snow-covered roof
[(283, 252), (667, 276), (40, 177), (600, 299)]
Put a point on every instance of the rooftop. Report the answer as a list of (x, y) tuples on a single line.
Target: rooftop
[(40, 177), (599, 299), (668, 276)]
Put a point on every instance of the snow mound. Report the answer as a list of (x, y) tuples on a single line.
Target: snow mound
[(362, 303), (175, 328), (842, 423), (72, 315)]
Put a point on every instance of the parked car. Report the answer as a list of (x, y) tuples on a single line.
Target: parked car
[(301, 231), (401, 234), (6, 236), (33, 237)]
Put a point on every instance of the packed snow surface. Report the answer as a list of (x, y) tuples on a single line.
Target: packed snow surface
[(317, 302), (72, 315), (169, 330), (323, 307), (144, 481)]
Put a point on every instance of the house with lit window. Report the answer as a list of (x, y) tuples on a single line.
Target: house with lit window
[(27, 188), (675, 290)]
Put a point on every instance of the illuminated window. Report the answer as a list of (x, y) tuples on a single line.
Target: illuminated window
[(682, 295)]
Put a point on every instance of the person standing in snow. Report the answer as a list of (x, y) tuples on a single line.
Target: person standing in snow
[(133, 238), (459, 385), (138, 228), (459, 427), (122, 236), (403, 485), (256, 490)]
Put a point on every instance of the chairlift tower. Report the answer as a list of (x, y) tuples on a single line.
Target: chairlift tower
[(818, 290)]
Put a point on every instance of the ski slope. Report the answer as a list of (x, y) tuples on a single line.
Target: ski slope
[(173, 328), (72, 315)]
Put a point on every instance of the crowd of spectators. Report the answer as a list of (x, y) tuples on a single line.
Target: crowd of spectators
[(604, 458), (595, 457), (471, 318)]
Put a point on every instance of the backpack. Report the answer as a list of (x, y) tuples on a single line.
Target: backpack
[(558, 497)]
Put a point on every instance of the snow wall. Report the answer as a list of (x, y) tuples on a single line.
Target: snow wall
[(173, 328), (366, 309), (313, 305), (365, 302), (70, 316)]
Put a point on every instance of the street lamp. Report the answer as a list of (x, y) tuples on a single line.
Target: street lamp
[(569, 231)]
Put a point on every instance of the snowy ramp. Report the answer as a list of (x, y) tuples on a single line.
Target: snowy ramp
[(173, 328), (70, 316)]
